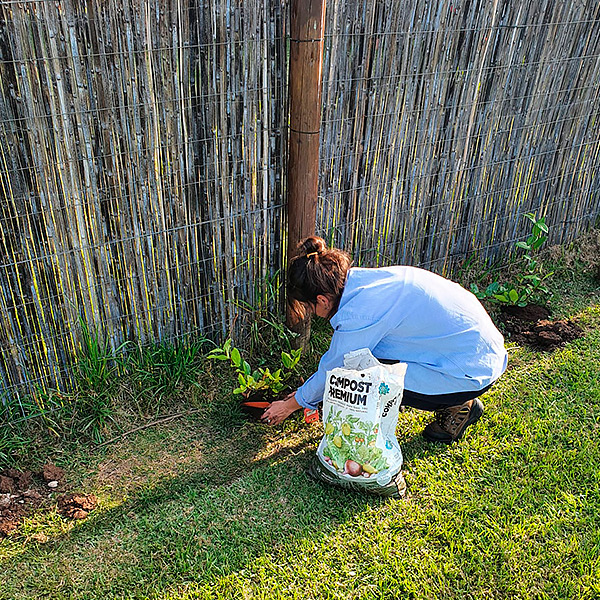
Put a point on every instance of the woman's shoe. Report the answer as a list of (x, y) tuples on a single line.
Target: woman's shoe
[(450, 423)]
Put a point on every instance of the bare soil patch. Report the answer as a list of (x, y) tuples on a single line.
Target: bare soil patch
[(531, 326), (23, 492), (76, 506)]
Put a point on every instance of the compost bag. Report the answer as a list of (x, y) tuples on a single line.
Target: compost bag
[(359, 449)]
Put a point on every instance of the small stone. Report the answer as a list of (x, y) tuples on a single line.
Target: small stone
[(53, 484)]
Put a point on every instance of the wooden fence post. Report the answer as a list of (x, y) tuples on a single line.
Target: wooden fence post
[(307, 20)]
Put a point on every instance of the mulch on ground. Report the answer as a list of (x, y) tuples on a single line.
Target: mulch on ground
[(24, 492)]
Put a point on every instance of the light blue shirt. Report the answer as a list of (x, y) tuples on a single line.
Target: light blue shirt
[(438, 328)]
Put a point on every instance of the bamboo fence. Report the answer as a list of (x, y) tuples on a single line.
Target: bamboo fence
[(143, 154), (141, 172), (444, 122)]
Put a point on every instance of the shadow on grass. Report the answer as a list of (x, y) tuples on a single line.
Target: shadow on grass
[(247, 495)]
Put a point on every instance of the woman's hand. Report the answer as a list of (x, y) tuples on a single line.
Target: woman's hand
[(280, 410)]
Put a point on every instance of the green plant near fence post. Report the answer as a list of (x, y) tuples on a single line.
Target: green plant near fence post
[(528, 285), (259, 380)]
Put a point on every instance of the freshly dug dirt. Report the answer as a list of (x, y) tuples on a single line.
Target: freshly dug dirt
[(530, 326), (22, 492), (51, 472), (525, 314), (7, 485), (17, 498), (76, 506)]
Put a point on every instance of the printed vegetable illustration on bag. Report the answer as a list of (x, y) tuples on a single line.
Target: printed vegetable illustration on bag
[(351, 446), (360, 413)]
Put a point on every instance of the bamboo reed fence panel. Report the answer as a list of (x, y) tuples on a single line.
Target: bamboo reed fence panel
[(141, 175), (143, 154), (445, 122)]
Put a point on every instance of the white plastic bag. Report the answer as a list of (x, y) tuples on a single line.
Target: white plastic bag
[(360, 413)]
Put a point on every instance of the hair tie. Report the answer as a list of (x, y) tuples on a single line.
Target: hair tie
[(312, 254)]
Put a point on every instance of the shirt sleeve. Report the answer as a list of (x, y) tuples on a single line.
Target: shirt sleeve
[(352, 336)]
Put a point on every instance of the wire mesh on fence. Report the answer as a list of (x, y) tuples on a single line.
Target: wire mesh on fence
[(454, 119), (143, 154), (141, 173)]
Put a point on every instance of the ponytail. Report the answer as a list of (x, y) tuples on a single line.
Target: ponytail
[(316, 270)]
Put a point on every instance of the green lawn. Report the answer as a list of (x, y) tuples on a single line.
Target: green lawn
[(201, 507)]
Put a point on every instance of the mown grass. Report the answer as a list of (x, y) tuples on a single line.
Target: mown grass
[(207, 506)]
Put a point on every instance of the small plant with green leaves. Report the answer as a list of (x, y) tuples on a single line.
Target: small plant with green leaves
[(529, 285), (270, 383)]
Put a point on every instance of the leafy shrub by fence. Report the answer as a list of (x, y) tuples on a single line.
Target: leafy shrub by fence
[(142, 173)]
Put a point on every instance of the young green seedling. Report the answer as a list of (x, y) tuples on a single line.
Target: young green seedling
[(528, 285), (261, 379)]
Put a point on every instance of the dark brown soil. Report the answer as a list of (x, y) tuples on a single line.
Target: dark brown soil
[(530, 326), (23, 492), (526, 314), (51, 472), (19, 495)]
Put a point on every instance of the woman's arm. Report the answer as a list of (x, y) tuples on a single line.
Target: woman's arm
[(310, 394)]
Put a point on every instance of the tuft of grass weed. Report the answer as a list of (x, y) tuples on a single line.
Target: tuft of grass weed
[(12, 443), (152, 375)]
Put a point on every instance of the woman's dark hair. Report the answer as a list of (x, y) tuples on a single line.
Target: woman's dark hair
[(316, 270)]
